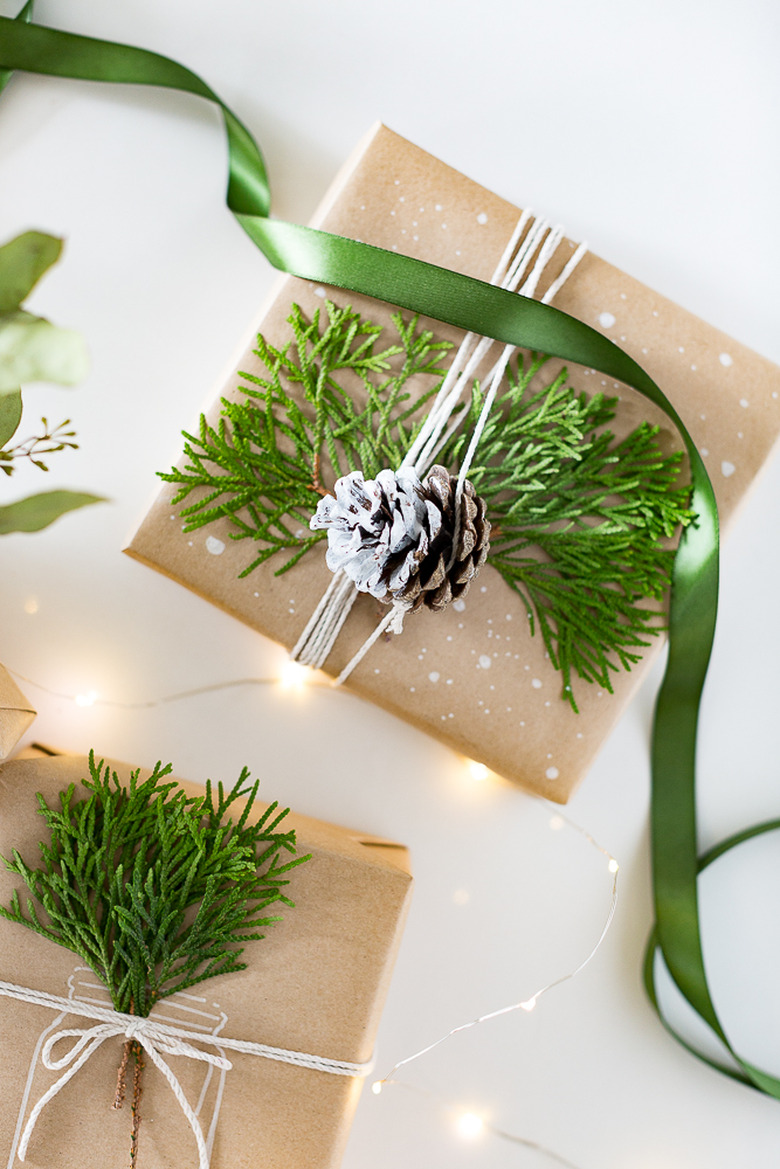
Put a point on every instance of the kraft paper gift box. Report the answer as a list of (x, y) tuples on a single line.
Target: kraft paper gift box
[(315, 983), (473, 675), (16, 714)]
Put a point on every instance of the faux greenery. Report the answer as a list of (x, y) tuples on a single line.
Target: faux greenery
[(32, 349), (153, 889), (579, 519)]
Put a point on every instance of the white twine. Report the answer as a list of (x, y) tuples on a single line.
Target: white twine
[(325, 623), (157, 1040), (393, 622), (319, 636)]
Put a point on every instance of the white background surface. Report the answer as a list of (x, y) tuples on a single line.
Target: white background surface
[(648, 129)]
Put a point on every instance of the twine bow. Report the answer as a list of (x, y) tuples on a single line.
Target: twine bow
[(158, 1040)]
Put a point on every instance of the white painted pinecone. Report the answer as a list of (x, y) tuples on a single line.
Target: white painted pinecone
[(393, 535)]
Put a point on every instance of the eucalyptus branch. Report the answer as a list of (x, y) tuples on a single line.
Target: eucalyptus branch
[(35, 447)]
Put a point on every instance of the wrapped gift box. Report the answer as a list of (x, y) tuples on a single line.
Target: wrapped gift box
[(16, 714), (473, 675), (315, 983)]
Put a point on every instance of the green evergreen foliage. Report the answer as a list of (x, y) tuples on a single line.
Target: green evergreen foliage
[(274, 455), (154, 890), (580, 520)]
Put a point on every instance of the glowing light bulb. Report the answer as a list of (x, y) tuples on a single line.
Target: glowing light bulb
[(294, 676), (613, 866), (469, 1125), (478, 771), (528, 1005), (88, 699), (376, 1087), (31, 606), (556, 823)]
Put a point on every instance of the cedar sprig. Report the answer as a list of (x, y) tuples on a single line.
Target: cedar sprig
[(272, 455), (580, 522), (579, 519), (154, 890)]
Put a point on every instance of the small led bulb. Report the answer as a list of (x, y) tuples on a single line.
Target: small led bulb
[(294, 676), (469, 1125), (478, 771)]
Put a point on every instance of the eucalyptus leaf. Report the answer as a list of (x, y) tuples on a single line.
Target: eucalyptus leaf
[(38, 511), (23, 261), (10, 415), (34, 350)]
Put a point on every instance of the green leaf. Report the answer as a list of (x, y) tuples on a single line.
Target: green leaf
[(10, 414), (38, 511), (23, 261), (32, 349)]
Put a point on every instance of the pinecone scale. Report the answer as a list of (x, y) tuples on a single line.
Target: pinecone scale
[(400, 538)]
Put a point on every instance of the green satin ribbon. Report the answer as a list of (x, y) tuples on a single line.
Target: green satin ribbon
[(473, 305)]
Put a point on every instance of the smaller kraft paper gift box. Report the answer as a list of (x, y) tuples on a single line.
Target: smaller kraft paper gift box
[(472, 675), (314, 984)]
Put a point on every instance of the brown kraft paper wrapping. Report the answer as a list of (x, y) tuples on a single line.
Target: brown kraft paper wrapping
[(16, 714), (315, 983), (473, 675)]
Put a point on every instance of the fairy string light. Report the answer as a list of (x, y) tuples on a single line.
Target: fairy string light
[(293, 676), (472, 1125), (527, 1004)]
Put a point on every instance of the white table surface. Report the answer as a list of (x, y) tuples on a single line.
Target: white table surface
[(648, 129)]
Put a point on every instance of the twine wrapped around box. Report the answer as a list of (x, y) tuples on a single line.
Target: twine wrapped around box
[(531, 246), (315, 984), (158, 1040), (450, 296), (472, 675)]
